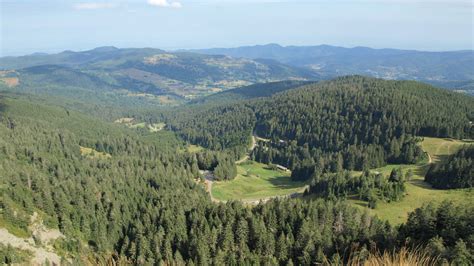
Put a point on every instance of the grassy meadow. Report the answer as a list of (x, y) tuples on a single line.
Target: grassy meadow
[(440, 149), (418, 192), (256, 181), (194, 148), (93, 154)]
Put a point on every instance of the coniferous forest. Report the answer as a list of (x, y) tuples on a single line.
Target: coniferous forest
[(142, 205), (348, 123), (138, 198), (139, 132), (458, 172)]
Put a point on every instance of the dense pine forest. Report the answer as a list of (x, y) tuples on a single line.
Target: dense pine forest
[(458, 172), (368, 186), (142, 205), (137, 197), (446, 230), (129, 137), (348, 123)]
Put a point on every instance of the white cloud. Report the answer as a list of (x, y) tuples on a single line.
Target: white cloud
[(165, 3), (94, 5)]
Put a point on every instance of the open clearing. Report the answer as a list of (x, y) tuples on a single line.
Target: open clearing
[(130, 123), (440, 149), (9, 77), (93, 154), (194, 148), (418, 191), (256, 181), (156, 127)]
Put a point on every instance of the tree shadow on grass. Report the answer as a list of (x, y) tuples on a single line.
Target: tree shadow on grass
[(283, 182), (357, 201), (422, 184), (363, 204), (442, 158), (422, 170)]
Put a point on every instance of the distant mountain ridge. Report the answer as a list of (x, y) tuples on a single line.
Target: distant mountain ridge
[(446, 69), (196, 73), (71, 58), (156, 71)]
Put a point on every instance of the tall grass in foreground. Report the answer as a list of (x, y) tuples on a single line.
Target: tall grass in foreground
[(404, 256)]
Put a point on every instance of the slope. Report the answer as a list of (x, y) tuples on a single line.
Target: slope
[(141, 204), (250, 92), (43, 174), (438, 68), (156, 71), (419, 192)]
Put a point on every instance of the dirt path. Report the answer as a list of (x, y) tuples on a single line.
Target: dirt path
[(252, 147), (209, 179), (245, 158), (40, 254), (437, 152), (430, 161)]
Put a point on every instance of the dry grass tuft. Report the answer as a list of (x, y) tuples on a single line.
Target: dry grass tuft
[(402, 257)]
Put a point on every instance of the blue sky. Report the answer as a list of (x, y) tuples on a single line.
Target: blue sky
[(29, 26)]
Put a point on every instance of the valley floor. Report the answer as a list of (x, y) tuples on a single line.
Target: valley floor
[(256, 182), (419, 192)]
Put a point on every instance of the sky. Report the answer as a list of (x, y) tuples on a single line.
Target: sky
[(29, 26)]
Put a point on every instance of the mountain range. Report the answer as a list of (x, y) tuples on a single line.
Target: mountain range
[(453, 69), (154, 71), (195, 73)]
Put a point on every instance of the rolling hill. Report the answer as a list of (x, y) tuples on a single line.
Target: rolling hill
[(355, 117), (101, 189), (158, 72), (258, 90), (438, 68)]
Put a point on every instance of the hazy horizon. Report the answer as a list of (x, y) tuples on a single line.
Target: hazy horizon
[(229, 47), (53, 26)]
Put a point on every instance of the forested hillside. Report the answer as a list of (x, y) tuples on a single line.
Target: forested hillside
[(133, 196), (445, 229), (258, 90), (348, 123), (141, 203), (163, 149), (150, 71), (457, 172)]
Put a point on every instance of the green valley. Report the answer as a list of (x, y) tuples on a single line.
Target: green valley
[(99, 166), (418, 192), (128, 136), (255, 182)]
